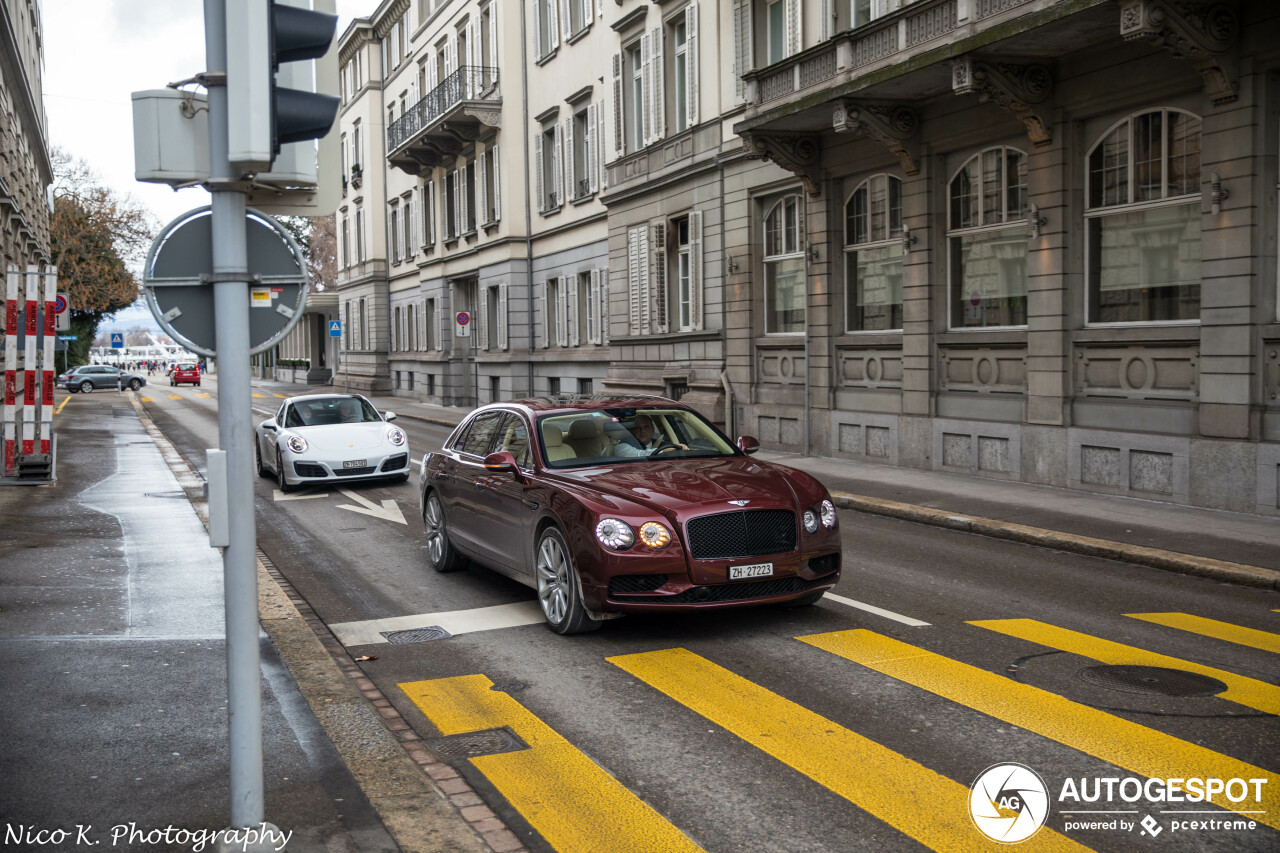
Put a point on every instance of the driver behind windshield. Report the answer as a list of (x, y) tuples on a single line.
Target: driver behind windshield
[(648, 438)]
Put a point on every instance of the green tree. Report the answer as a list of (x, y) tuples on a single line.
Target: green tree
[(96, 237)]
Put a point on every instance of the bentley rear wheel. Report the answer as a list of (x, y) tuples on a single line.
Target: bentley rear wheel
[(558, 592), (443, 556)]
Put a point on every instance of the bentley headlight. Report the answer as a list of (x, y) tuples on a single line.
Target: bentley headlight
[(828, 511), (655, 535), (297, 444), (395, 435), (810, 521), (614, 534)]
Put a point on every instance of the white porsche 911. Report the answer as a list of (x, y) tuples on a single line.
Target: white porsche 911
[(327, 438)]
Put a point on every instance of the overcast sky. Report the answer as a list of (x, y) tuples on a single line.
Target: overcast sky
[(97, 52)]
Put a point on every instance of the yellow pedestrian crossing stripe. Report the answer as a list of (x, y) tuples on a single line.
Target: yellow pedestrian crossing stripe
[(841, 760), (1245, 691), (175, 397), (281, 396), (206, 396), (1113, 739), (1212, 628), (565, 796), (147, 400), (259, 396)]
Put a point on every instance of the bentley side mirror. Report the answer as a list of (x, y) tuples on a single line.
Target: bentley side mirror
[(747, 444), (388, 416), (500, 461)]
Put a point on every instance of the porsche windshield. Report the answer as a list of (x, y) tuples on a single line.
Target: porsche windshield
[(331, 410), (611, 436)]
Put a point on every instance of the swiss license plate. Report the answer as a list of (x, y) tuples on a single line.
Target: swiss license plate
[(354, 463), (755, 570)]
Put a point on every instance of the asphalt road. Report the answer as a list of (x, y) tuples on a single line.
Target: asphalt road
[(831, 728)]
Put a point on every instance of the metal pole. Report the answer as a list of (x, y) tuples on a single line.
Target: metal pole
[(239, 561)]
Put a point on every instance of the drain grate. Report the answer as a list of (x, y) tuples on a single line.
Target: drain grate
[(476, 744), (416, 635), (177, 494), (1152, 680)]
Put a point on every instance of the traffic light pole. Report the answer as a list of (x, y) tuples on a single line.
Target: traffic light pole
[(235, 430)]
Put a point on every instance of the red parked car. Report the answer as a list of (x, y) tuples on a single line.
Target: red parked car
[(185, 372), (608, 505)]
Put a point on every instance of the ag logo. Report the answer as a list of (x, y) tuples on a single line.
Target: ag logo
[(1009, 803)]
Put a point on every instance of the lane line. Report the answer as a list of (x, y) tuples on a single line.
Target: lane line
[(575, 804), (871, 608), (369, 631), (62, 405), (1111, 738), (919, 803), (1244, 691), (1238, 634)]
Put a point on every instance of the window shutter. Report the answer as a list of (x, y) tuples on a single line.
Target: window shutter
[(658, 271), (659, 86), (502, 316), (562, 326), (440, 326), (646, 88), (554, 23), (569, 166), (593, 150), (481, 317), (571, 310), (633, 280), (544, 339), (742, 59), (695, 268), (457, 219), (537, 159), (483, 201), (604, 305), (566, 19), (593, 308), (537, 30), (795, 36), (557, 166), (619, 145), (691, 62), (492, 73), (410, 227), (497, 187), (464, 196), (824, 20), (598, 137)]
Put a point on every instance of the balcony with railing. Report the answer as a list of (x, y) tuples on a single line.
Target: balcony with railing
[(453, 114)]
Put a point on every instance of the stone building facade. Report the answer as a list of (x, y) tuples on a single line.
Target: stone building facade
[(26, 172)]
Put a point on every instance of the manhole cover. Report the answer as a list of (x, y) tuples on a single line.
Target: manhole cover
[(508, 686), (416, 635), (1152, 680), (177, 494), (476, 744)]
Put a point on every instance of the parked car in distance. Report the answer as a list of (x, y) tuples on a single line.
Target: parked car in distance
[(87, 377), (330, 438), (608, 505), (185, 371)]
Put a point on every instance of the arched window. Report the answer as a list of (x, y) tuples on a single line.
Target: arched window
[(988, 237), (784, 270), (873, 255), (1143, 220)]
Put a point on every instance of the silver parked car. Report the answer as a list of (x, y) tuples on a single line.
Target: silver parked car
[(87, 377)]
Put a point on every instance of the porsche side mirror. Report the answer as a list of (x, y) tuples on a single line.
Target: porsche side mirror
[(501, 460), (747, 444), (269, 425), (388, 416)]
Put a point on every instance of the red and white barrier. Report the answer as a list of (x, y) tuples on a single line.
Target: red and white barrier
[(29, 368), (47, 370), (9, 425)]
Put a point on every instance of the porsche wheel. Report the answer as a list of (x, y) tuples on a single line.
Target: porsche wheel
[(443, 556), (285, 487), (257, 458), (558, 592)]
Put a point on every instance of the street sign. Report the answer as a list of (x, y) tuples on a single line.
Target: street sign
[(335, 329), (62, 317), (464, 324), (117, 340), (178, 281)]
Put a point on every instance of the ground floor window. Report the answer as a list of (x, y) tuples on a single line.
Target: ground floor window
[(989, 278), (873, 288), (1144, 265)]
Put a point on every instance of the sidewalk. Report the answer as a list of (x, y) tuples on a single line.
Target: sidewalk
[(113, 645), (1234, 547)]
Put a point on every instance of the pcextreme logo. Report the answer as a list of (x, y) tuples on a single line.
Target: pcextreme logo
[(1009, 803)]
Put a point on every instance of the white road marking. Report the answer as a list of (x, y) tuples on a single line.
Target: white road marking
[(389, 511), (871, 608), (278, 495), (369, 632)]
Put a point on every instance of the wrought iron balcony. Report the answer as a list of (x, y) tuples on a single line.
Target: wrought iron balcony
[(434, 129)]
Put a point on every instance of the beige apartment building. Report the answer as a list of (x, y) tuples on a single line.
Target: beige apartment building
[(1022, 239)]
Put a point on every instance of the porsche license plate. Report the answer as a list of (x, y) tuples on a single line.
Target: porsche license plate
[(755, 570), (354, 463)]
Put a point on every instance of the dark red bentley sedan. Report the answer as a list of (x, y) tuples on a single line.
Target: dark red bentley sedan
[(609, 505)]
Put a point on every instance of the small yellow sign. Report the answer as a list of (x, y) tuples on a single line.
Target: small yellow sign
[(260, 297)]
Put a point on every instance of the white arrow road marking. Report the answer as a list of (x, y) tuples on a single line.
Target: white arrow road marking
[(389, 511), (278, 495)]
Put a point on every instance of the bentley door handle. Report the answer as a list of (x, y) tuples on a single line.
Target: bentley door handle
[(442, 475), (530, 504)]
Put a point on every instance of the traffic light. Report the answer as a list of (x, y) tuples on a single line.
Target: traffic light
[(263, 115)]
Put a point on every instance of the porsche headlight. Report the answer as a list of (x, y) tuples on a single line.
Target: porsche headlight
[(396, 436), (810, 521), (614, 534), (297, 444), (828, 512), (655, 535)]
